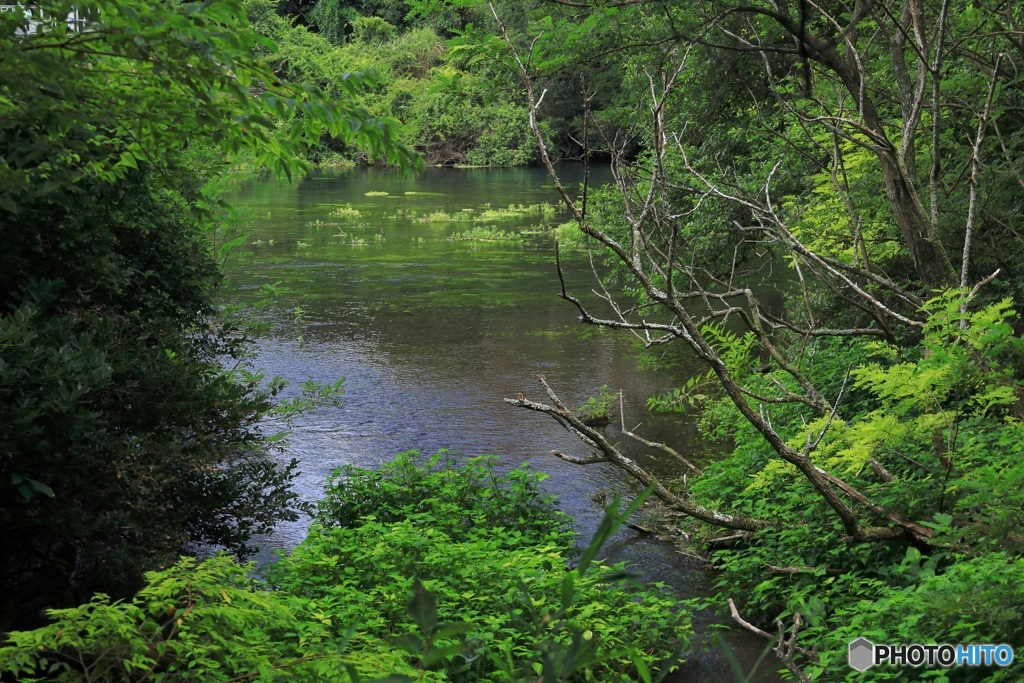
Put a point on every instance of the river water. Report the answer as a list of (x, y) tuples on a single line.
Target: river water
[(431, 333)]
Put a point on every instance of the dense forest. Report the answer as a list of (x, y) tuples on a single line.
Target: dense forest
[(872, 426)]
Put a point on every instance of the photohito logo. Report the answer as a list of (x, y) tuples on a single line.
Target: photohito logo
[(864, 654)]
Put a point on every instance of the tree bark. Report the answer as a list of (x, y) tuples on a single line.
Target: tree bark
[(931, 263)]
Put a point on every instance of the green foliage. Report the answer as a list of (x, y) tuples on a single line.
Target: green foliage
[(346, 212), (485, 213), (485, 233), (454, 110), (595, 410), (114, 398), (195, 621), (688, 396), (940, 419), (459, 498), (138, 80), (125, 440), (571, 238), (368, 30), (462, 576), (492, 551), (826, 218), (331, 18), (975, 600)]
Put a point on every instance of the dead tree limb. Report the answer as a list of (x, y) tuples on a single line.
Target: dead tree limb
[(641, 259), (607, 452), (654, 444), (785, 648)]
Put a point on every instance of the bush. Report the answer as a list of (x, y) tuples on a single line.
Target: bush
[(194, 622), (331, 18), (975, 600), (596, 410), (426, 567), (456, 499), (371, 30), (939, 420), (126, 439), (493, 552)]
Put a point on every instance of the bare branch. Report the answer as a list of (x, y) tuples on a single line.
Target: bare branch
[(609, 453), (975, 165), (974, 292), (784, 648), (585, 460), (654, 444)]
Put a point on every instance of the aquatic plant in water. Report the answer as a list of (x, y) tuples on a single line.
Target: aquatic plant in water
[(444, 217), (596, 411), (486, 213), (345, 211), (546, 210), (485, 233), (320, 224)]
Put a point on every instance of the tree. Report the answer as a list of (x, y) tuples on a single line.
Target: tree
[(124, 440), (816, 161)]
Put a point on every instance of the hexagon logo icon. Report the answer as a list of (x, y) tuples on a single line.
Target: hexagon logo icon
[(862, 654)]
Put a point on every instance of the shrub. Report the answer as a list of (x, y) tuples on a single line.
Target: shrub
[(493, 552), (425, 568), (456, 498), (371, 30), (195, 621)]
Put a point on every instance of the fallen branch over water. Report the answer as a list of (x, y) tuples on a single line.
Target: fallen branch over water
[(605, 451)]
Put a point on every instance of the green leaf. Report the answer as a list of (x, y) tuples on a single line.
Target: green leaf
[(423, 607)]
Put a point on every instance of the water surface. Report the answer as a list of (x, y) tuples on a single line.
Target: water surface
[(431, 333)]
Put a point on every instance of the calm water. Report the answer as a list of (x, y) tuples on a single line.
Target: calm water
[(430, 334)]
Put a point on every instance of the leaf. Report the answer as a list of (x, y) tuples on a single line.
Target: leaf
[(641, 667), (454, 629), (423, 607), (568, 592), (410, 642)]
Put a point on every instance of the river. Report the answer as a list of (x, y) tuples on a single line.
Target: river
[(431, 333)]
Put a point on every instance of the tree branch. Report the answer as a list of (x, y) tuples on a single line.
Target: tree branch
[(609, 453)]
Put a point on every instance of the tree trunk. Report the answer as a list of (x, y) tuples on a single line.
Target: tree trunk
[(930, 260)]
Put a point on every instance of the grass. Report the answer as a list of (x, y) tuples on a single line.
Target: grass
[(485, 233)]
